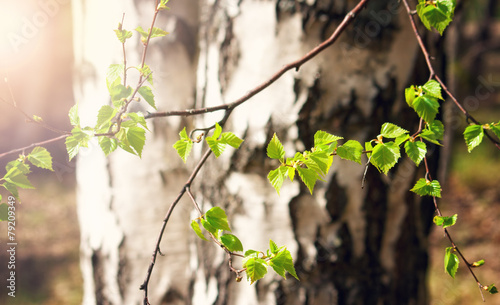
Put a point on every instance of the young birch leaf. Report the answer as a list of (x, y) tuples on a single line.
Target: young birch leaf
[(451, 262), (40, 157), (231, 139), (445, 221), (473, 136), (390, 130), (148, 95), (427, 188), (79, 138), (196, 228), (256, 268), (283, 262), (491, 289), (114, 75), (426, 107), (433, 88), (385, 156), (107, 144), (416, 151), (322, 161), (121, 34), (308, 176), (275, 149), (184, 145), (273, 247), (18, 178), (216, 146), (324, 138), (479, 263), (217, 219), (277, 177), (74, 119), (12, 188), (410, 95), (231, 242), (496, 130), (104, 116), (433, 132), (146, 72), (351, 150), (208, 226), (136, 136)]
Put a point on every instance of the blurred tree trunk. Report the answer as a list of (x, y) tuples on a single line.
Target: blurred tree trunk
[(351, 245)]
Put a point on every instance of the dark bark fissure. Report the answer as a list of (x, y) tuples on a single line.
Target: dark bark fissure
[(99, 282)]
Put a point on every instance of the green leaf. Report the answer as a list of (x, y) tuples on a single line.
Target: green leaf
[(119, 93), (16, 175), (308, 176), (196, 228), (416, 151), (324, 138), (73, 115), (473, 136), (351, 150), (275, 149), (427, 188), (390, 130), (136, 137), (256, 268), (273, 247), (282, 262), (401, 139), (184, 145), (410, 94), (491, 289), (104, 116), (433, 88), (219, 145), (231, 139), (451, 262), (138, 118), (146, 72), (156, 32), (479, 263), (107, 144), (496, 130), (122, 34), (217, 219), (208, 226), (231, 242), (385, 156), (277, 177), (114, 75), (40, 157), (12, 188), (436, 14), (433, 132), (4, 212), (148, 95), (79, 138), (322, 161), (163, 5), (426, 107), (445, 221), (216, 146)]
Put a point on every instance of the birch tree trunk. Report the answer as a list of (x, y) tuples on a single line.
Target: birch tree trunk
[(352, 245)]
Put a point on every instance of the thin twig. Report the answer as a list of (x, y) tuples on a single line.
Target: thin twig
[(34, 145)]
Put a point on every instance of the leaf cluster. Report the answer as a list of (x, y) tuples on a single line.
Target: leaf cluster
[(255, 263), (17, 171), (436, 14)]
